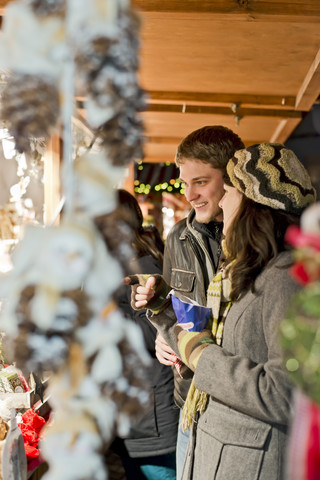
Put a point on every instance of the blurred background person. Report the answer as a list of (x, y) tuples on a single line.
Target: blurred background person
[(149, 451)]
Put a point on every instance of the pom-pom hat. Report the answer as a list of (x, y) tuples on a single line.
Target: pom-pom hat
[(271, 174)]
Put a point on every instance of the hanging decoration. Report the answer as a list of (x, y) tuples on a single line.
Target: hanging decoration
[(300, 339), (59, 312)]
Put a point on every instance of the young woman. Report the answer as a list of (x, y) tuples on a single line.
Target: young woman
[(240, 402)]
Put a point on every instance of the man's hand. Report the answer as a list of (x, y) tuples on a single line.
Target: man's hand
[(148, 291), (164, 353), (142, 287)]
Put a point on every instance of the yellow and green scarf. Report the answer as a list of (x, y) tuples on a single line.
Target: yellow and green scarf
[(218, 299)]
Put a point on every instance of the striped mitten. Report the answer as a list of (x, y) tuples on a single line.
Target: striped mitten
[(192, 344)]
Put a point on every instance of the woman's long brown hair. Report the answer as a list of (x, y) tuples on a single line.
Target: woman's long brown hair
[(254, 238)]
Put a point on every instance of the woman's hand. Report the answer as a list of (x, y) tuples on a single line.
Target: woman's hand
[(164, 353)]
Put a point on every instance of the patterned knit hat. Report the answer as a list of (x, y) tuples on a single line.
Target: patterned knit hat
[(270, 174)]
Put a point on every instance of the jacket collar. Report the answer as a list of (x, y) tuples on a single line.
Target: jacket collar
[(188, 227)]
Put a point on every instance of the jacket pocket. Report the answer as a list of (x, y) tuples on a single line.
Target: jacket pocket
[(229, 445), (147, 426), (182, 280)]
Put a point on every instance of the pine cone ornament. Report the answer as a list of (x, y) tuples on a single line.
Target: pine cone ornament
[(36, 349), (30, 106), (107, 68), (43, 8)]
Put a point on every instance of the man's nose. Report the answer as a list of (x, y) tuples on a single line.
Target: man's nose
[(190, 193)]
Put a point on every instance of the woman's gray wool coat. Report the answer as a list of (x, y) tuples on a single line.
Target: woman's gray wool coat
[(244, 431)]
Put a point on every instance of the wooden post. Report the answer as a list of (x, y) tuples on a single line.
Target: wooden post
[(52, 188), (129, 181)]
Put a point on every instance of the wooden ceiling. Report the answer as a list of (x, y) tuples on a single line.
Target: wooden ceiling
[(251, 65)]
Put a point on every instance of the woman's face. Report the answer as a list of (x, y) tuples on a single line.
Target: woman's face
[(230, 203)]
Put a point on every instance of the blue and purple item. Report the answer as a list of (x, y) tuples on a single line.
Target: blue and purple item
[(190, 315)]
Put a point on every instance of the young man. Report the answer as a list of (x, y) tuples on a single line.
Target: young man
[(193, 247)]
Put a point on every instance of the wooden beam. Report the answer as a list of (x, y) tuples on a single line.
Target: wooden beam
[(164, 140), (194, 98), (158, 159), (265, 10), (206, 110), (310, 88), (284, 130), (170, 158), (176, 140), (284, 10)]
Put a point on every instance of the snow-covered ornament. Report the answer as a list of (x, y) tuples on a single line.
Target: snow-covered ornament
[(43, 8), (93, 403), (52, 292), (32, 50), (117, 233), (107, 64), (95, 182), (30, 119), (60, 296), (32, 45)]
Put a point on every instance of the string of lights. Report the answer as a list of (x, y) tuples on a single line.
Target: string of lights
[(158, 178)]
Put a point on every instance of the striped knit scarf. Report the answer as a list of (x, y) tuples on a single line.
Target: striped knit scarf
[(218, 298)]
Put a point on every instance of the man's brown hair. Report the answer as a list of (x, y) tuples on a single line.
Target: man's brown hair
[(213, 144)]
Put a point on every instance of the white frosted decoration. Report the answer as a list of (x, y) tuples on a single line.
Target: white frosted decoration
[(105, 412), (47, 348), (122, 384), (73, 456), (25, 254), (123, 424), (95, 183), (43, 306), (65, 255), (99, 333), (33, 45), (134, 336), (58, 391), (104, 277), (95, 115), (66, 314), (88, 389), (310, 219), (48, 309), (8, 317), (107, 365), (89, 19)]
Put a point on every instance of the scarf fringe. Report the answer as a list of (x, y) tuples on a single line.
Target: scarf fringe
[(218, 298), (196, 402)]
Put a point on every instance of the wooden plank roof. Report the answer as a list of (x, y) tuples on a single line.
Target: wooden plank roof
[(251, 65)]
